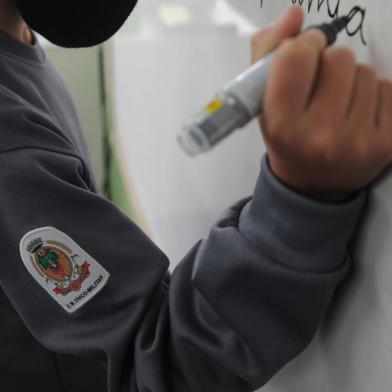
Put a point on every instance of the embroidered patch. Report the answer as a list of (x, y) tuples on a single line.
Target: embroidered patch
[(70, 275)]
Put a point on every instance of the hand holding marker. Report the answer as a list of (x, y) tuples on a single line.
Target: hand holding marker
[(239, 101)]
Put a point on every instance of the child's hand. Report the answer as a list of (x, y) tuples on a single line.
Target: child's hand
[(327, 121)]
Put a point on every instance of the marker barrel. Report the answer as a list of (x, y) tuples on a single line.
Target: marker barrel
[(249, 87), (233, 107)]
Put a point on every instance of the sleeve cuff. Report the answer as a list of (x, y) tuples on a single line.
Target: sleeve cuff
[(297, 231)]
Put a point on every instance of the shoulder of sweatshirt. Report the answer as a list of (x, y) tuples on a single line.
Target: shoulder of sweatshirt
[(22, 125)]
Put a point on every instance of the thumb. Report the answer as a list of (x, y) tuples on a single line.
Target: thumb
[(288, 25)]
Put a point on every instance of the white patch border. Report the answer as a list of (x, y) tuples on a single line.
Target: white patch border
[(33, 272)]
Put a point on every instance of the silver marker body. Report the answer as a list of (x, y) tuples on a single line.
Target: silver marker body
[(238, 102)]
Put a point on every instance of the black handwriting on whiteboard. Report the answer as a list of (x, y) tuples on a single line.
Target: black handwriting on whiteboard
[(334, 13)]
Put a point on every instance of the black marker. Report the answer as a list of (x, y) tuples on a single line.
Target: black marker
[(239, 101)]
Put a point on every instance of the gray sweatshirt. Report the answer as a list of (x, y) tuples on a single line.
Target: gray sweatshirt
[(86, 300)]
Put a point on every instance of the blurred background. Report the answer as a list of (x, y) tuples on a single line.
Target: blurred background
[(133, 94)]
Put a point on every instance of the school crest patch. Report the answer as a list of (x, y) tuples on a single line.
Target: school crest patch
[(68, 273)]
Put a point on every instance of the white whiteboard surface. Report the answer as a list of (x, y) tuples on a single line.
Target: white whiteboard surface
[(162, 79)]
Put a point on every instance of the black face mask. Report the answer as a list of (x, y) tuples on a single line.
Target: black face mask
[(75, 23)]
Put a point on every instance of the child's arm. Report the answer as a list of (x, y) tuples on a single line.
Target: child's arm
[(238, 307)]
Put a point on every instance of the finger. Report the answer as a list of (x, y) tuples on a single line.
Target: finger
[(292, 74), (382, 138), (363, 110), (266, 40), (384, 112), (332, 90)]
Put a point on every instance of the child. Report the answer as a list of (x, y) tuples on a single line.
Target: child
[(86, 301)]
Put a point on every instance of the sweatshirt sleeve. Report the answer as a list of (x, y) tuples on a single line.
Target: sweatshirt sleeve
[(240, 305)]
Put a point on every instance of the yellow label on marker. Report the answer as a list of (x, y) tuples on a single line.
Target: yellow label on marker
[(215, 104)]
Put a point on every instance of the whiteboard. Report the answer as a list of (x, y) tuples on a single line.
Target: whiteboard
[(161, 78)]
